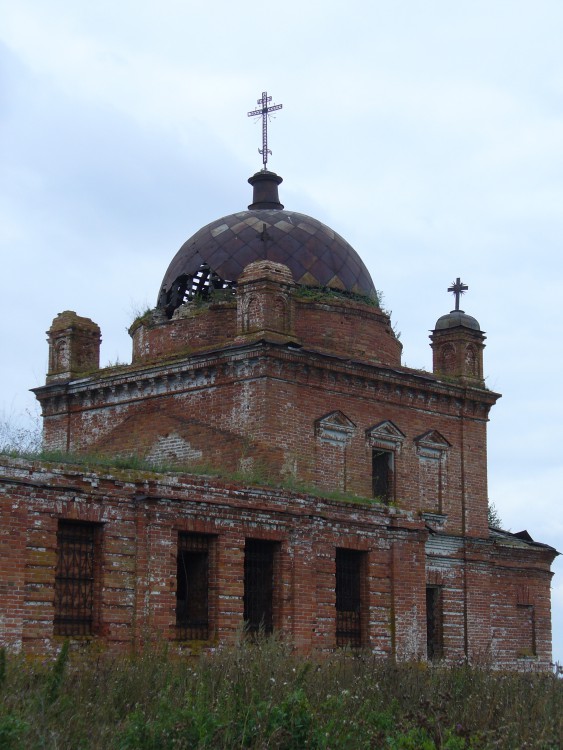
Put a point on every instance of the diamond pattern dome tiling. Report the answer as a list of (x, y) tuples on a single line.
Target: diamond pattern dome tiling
[(216, 255)]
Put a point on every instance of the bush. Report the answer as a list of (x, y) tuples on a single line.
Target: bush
[(20, 434), (12, 730)]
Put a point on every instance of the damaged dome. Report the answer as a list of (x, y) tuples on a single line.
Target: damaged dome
[(215, 256)]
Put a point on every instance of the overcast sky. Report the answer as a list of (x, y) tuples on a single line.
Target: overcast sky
[(428, 133)]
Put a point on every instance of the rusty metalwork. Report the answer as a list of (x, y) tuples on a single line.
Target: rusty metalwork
[(264, 113), (192, 587), (265, 190), (434, 624), (186, 287), (74, 578), (258, 585), (458, 288), (348, 597)]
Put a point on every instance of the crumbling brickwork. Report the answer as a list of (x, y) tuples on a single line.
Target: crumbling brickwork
[(258, 399), (283, 371), (140, 516)]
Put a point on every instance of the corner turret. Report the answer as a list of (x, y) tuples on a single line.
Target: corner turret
[(458, 343), (74, 346)]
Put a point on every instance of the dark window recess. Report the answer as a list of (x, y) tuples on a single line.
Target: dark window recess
[(434, 623), (348, 597), (192, 587), (382, 474), (258, 585), (74, 578)]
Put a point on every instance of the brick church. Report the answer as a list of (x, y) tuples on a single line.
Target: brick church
[(305, 483)]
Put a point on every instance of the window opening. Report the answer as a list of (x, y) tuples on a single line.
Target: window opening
[(192, 587), (448, 359), (434, 623), (348, 597), (258, 585), (75, 578), (382, 474)]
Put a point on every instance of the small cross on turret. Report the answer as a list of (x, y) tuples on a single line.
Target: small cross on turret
[(264, 113), (458, 288), (458, 343)]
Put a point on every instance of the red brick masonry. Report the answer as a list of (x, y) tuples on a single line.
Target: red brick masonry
[(496, 591), (305, 386)]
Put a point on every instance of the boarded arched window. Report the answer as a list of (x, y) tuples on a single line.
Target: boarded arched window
[(280, 322), (252, 314), (471, 361), (448, 358)]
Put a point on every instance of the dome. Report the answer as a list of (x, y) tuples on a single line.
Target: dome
[(456, 318), (215, 256)]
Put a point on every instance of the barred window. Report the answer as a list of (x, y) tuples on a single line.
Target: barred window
[(192, 587), (75, 577), (434, 623), (259, 585), (348, 597)]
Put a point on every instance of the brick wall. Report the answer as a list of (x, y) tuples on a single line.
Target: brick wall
[(295, 384), (261, 403), (140, 516)]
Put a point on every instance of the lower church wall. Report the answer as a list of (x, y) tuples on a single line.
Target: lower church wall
[(520, 610), (341, 572), (496, 599)]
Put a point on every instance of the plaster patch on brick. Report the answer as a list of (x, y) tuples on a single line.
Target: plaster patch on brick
[(242, 407), (246, 463), (172, 448)]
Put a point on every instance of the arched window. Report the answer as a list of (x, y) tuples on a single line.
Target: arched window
[(448, 358), (471, 361)]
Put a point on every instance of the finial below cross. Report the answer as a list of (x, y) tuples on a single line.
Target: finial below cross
[(458, 288), (264, 112)]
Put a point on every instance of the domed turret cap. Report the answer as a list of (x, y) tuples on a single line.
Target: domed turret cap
[(456, 318), (215, 256)]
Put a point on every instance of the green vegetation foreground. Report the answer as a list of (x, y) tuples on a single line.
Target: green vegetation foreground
[(261, 696)]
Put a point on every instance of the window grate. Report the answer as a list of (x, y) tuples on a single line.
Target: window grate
[(348, 597), (258, 585), (74, 578), (434, 624), (192, 587)]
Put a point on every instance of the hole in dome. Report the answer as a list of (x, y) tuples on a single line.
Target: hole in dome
[(187, 287)]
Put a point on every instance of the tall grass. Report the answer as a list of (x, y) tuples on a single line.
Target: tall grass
[(260, 695), (260, 475)]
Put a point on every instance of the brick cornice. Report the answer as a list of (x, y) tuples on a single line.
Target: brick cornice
[(209, 494), (267, 359)]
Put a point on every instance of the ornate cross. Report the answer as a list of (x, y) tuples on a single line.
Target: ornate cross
[(264, 113), (458, 288)]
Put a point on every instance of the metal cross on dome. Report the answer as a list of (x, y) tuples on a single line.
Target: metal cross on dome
[(458, 288), (264, 113)]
